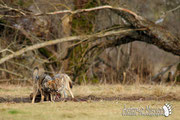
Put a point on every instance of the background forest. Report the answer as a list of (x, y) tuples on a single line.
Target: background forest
[(135, 62)]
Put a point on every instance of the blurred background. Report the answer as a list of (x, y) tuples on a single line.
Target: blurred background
[(136, 62)]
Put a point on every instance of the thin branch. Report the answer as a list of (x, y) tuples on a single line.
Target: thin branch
[(161, 73), (21, 65), (13, 73), (174, 9), (4, 50), (14, 9), (19, 80), (89, 10), (161, 19)]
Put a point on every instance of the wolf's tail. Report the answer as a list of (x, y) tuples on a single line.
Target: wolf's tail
[(35, 74), (70, 81), (70, 84)]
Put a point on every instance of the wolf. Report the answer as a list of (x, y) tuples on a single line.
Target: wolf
[(63, 84), (49, 87), (43, 83)]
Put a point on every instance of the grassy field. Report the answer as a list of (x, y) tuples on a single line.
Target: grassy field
[(104, 108)]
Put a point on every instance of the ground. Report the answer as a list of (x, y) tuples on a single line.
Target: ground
[(91, 102)]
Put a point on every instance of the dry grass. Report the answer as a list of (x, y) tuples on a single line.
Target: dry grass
[(127, 90), (104, 110), (89, 109), (7, 90), (102, 90)]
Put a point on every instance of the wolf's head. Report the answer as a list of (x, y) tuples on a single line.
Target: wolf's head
[(51, 86)]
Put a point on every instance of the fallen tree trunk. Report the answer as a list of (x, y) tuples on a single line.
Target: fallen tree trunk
[(160, 37), (141, 30)]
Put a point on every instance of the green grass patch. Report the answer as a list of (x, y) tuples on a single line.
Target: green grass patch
[(13, 111), (82, 110)]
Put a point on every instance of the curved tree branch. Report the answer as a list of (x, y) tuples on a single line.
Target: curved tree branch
[(65, 39), (159, 36), (151, 33)]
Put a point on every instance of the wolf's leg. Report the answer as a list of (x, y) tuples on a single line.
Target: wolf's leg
[(52, 97), (47, 97), (34, 95), (61, 91), (42, 96), (64, 93), (35, 91), (71, 93), (69, 90)]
